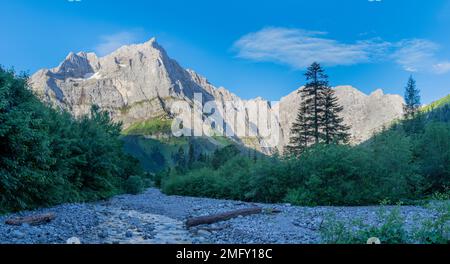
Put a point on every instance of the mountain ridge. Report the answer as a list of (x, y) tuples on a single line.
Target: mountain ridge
[(139, 82)]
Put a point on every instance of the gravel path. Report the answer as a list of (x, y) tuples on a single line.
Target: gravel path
[(153, 217)]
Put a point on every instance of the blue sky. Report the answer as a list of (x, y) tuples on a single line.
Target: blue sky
[(253, 48)]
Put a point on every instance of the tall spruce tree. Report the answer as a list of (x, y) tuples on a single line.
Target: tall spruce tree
[(412, 99), (313, 97), (301, 133), (318, 119), (334, 129)]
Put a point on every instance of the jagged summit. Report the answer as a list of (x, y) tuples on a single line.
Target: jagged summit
[(140, 81), (378, 92)]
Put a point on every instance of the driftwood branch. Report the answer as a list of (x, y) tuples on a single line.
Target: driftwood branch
[(31, 220), (210, 219)]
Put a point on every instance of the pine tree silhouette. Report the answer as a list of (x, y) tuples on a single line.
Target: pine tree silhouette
[(318, 119)]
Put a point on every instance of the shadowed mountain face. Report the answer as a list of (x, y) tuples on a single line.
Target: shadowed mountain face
[(140, 82)]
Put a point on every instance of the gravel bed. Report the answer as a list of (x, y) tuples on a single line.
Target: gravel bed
[(152, 217)]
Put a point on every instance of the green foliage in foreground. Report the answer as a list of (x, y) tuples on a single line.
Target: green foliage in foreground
[(47, 157), (390, 228), (395, 165)]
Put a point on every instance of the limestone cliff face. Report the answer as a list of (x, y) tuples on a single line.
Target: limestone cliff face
[(141, 82)]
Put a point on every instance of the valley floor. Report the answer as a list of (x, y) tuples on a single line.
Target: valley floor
[(153, 217)]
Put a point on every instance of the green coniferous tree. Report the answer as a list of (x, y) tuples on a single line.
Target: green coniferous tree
[(306, 129), (413, 120), (318, 119), (334, 129), (301, 133), (412, 99), (313, 96)]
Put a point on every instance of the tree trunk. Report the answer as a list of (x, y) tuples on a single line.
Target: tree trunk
[(31, 220), (221, 217)]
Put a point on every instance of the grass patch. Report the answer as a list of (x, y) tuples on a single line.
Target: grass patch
[(439, 103), (150, 127)]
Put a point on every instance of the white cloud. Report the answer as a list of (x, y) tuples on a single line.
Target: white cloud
[(109, 43), (419, 55), (442, 67), (299, 48), (415, 55)]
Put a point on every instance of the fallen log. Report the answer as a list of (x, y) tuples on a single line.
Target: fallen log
[(31, 220), (272, 211), (210, 219)]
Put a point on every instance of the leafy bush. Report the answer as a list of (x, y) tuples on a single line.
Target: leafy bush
[(390, 231), (222, 155), (433, 151), (134, 185), (202, 182), (333, 174), (48, 157), (392, 163), (436, 231), (270, 180), (441, 196)]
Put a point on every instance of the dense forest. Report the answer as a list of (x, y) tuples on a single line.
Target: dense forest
[(406, 162), (49, 157)]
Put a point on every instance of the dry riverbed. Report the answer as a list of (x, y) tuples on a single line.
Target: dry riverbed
[(153, 217)]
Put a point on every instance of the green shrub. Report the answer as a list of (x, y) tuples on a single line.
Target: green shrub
[(222, 155), (300, 196), (233, 176), (270, 180), (48, 157), (441, 196), (395, 174), (390, 231), (433, 151), (331, 174), (134, 185), (436, 231), (201, 182)]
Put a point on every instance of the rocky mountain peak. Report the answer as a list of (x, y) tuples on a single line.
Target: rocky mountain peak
[(377, 93), (140, 82), (74, 66)]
